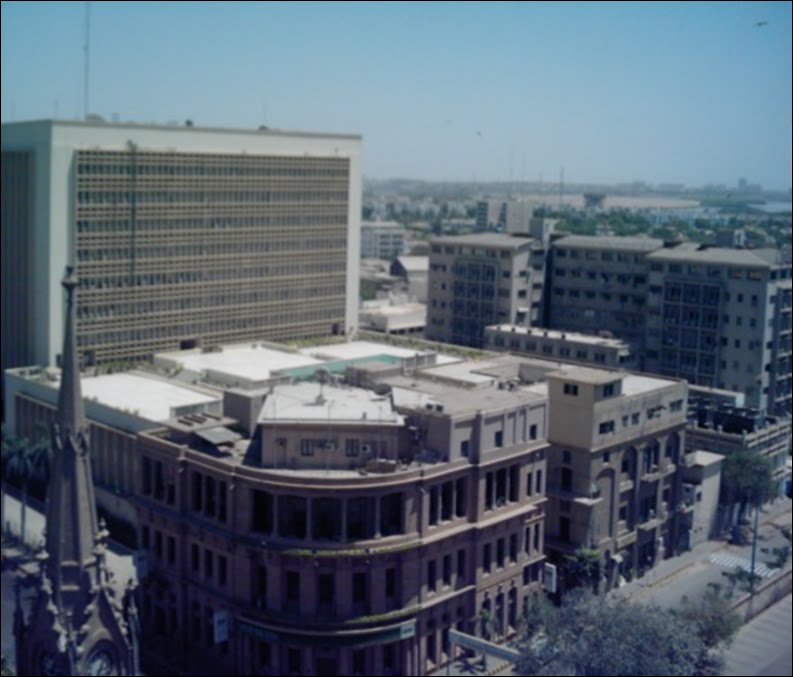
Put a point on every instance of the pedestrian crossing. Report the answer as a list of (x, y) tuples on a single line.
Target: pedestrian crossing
[(726, 561)]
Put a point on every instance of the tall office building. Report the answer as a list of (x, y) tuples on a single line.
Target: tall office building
[(722, 318), (181, 236)]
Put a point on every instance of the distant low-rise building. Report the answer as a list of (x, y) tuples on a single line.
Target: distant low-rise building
[(724, 429), (392, 316), (415, 271), (382, 240)]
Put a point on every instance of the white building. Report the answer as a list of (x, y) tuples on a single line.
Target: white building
[(181, 236)]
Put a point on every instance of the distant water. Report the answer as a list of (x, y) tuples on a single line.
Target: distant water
[(774, 207)]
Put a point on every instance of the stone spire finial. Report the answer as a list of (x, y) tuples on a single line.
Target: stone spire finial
[(71, 413)]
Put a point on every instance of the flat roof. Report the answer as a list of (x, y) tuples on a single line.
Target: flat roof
[(321, 403), (397, 310), (263, 130), (636, 384), (558, 334), (484, 240), (415, 264), (588, 375), (417, 392), (740, 257), (353, 350), (244, 361), (636, 243), (705, 458), (144, 396)]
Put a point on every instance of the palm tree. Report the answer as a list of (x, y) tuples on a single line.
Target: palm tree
[(23, 463)]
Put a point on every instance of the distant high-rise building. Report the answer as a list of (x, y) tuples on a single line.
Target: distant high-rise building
[(181, 236), (480, 280), (600, 283), (722, 318)]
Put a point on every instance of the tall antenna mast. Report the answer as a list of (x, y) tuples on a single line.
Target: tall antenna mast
[(561, 187), (87, 57)]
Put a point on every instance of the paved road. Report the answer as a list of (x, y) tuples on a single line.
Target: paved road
[(763, 646)]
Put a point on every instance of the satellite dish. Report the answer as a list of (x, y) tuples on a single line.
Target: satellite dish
[(382, 389)]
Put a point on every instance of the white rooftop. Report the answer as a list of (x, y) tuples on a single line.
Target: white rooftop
[(244, 361), (569, 336), (147, 397), (636, 384), (302, 402), (357, 349)]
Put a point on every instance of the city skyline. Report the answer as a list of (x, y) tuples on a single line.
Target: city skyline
[(697, 93)]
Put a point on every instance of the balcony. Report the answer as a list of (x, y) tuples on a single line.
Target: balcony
[(624, 540)]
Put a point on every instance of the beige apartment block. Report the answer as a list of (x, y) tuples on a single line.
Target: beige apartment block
[(181, 236), (615, 468), (722, 318)]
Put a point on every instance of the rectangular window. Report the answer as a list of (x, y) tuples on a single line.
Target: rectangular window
[(306, 447), (195, 558), (539, 481), (431, 576), (513, 548), (390, 583), (500, 553), (293, 586), (447, 570), (464, 448), (533, 431), (486, 557), (222, 572), (461, 565), (359, 588), (571, 389), (499, 438), (606, 427), (352, 447)]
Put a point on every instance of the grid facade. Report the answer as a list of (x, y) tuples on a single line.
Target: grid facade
[(175, 249), (17, 249)]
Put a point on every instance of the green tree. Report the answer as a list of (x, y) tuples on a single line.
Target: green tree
[(745, 480), (591, 635), (582, 569), (24, 463)]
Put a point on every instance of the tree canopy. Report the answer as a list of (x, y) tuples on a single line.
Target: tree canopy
[(589, 635), (745, 479)]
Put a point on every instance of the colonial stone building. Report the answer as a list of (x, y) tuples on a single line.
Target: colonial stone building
[(347, 536)]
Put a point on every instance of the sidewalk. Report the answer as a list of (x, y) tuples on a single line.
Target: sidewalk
[(690, 572), (762, 646)]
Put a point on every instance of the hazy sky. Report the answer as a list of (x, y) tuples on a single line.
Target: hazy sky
[(665, 92)]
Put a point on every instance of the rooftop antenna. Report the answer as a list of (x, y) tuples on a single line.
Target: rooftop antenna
[(87, 57), (561, 187)]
